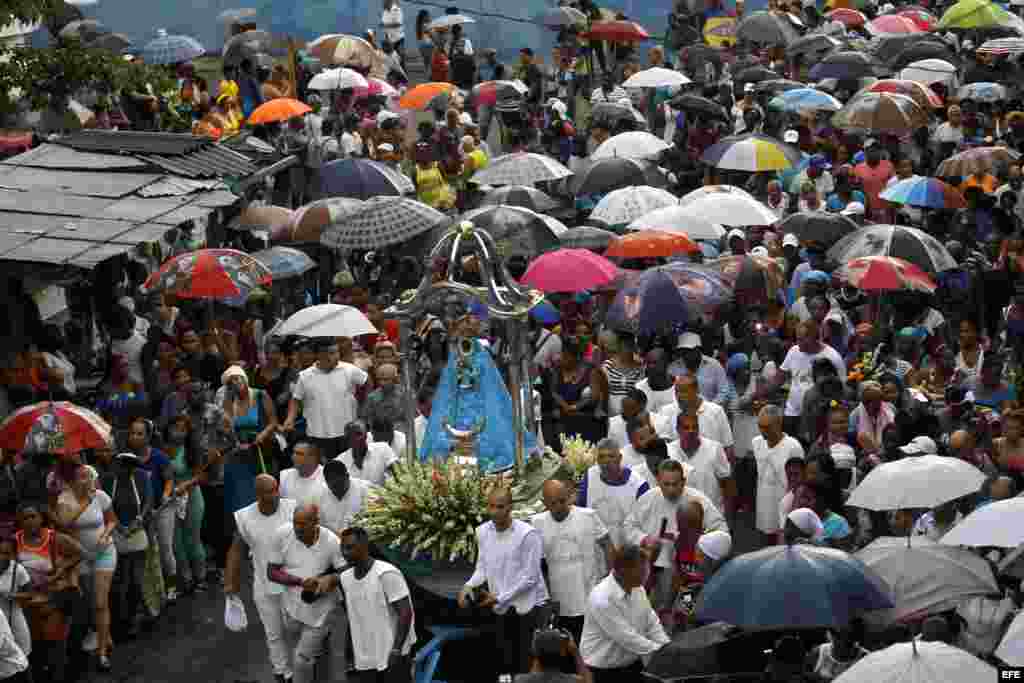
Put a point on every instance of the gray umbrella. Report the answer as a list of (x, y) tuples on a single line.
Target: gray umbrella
[(381, 222), (113, 42), (246, 45), (83, 29), (586, 237), (815, 44), (515, 230), (521, 195), (767, 28), (521, 168)]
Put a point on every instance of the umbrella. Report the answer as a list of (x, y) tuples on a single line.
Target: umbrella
[(625, 205), (604, 175), (1011, 648), (617, 31), (885, 274), (713, 190), (631, 145), (700, 106), (1003, 46), (520, 195), (922, 51), (489, 93), (848, 17), (792, 587), (778, 85), (515, 230), (909, 244), (167, 49), (569, 270), (926, 577), (380, 222), (308, 222), (893, 23), (448, 20), (919, 662), (278, 109), (996, 524), (613, 114), (60, 428), (695, 652), (881, 111), (929, 71), (818, 226), (656, 77), (702, 287), (338, 79), (751, 276), (649, 304), (812, 44), (285, 262), (977, 160), (363, 179), (753, 153), (766, 28), (925, 481), (586, 237), (263, 218), (755, 74), (83, 30), (375, 87), (919, 92), (651, 244), (968, 14), (720, 31), (922, 18), (562, 17), (209, 274), (983, 92), (929, 193), (233, 15), (805, 100), (677, 219), (112, 42), (730, 209), (844, 65), (326, 320), (421, 96), (246, 45), (351, 51), (521, 168)]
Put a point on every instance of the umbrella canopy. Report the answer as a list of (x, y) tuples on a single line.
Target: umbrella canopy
[(232, 15), (380, 222), (285, 262), (778, 85), (921, 17), (569, 270), (983, 92), (448, 20), (1011, 648), (649, 304), (924, 50), (925, 481), (520, 195), (209, 274), (678, 219), (521, 168), (702, 287), (351, 51), (755, 74), (1002, 46), (968, 14), (515, 230), (60, 428), (714, 191), (326, 320), (848, 17), (374, 87), (753, 153), (885, 274), (720, 31), (919, 92), (617, 31), (587, 237), (844, 65), (918, 662), (83, 30), (112, 42), (489, 93), (929, 193), (651, 244), (656, 77), (631, 145), (730, 209), (308, 222), (562, 17), (909, 244), (929, 71), (767, 28), (277, 110), (752, 278), (792, 587), (926, 577), (167, 49), (338, 79), (701, 106), (818, 226), (881, 111), (999, 524), (977, 160), (263, 218), (613, 114), (246, 45), (893, 23), (604, 175), (420, 97), (805, 100), (363, 179), (694, 652), (814, 44), (625, 205)]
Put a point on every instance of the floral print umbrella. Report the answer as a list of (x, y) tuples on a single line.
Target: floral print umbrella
[(209, 274), (60, 428)]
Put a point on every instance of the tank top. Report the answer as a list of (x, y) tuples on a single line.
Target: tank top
[(620, 381), (37, 560), (432, 188), (248, 426)]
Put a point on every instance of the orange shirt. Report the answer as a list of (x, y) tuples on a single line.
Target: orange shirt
[(987, 183)]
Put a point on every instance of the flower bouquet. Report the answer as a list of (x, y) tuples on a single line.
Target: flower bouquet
[(579, 455)]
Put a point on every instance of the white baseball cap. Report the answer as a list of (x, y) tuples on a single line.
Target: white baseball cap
[(790, 240), (843, 455), (853, 209), (920, 445), (715, 544), (791, 136), (807, 521), (735, 233), (688, 340), (759, 251), (749, 87)]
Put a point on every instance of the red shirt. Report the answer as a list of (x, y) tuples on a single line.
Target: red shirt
[(873, 180)]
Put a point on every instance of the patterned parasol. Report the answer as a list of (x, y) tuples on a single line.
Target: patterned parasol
[(209, 274), (381, 222), (521, 168)]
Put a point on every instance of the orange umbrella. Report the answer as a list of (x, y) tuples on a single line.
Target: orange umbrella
[(423, 94), (278, 109), (652, 244)]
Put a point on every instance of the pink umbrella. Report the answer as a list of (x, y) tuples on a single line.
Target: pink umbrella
[(569, 270), (893, 24), (376, 87)]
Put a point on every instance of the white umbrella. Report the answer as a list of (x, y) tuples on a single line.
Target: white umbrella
[(716, 190), (449, 20), (1011, 647), (326, 320), (676, 219), (636, 144), (656, 77), (731, 209), (929, 71), (338, 79), (924, 481), (629, 203), (998, 524), (919, 662), (925, 577)]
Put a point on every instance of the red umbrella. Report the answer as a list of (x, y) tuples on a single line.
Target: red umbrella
[(893, 24), (924, 19), (617, 31), (60, 428), (919, 92), (569, 270), (849, 18), (885, 274), (209, 274)]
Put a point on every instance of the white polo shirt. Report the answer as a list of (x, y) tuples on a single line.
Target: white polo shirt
[(302, 489), (328, 398), (305, 562), (379, 457), (259, 532), (338, 513), (712, 422), (710, 466)]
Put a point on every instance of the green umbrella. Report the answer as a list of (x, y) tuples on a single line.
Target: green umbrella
[(968, 14)]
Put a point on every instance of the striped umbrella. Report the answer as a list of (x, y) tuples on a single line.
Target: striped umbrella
[(629, 203), (885, 274), (983, 92), (753, 153), (919, 92), (60, 428), (805, 100), (1003, 46), (168, 49)]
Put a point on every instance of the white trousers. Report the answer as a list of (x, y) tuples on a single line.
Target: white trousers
[(272, 616)]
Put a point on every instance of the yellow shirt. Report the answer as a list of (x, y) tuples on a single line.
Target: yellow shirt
[(432, 189)]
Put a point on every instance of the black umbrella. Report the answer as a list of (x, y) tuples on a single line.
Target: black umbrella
[(778, 85), (925, 50), (586, 237), (767, 28), (845, 65), (818, 226), (611, 114), (887, 47), (521, 195), (702, 106), (515, 230), (812, 45), (604, 175), (700, 53), (246, 45), (692, 653), (755, 74)]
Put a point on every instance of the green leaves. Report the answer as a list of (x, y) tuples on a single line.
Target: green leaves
[(27, 11)]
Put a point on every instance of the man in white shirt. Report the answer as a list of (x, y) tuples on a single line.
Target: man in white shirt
[(256, 527), (712, 473), (13, 662), (575, 541), (392, 21), (713, 421), (304, 483), (771, 451), (711, 380), (303, 557), (797, 369), (344, 498), (610, 489), (368, 460), (620, 628), (509, 562), (325, 393)]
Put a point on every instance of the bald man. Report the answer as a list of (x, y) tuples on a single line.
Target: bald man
[(256, 527), (577, 550), (304, 558)]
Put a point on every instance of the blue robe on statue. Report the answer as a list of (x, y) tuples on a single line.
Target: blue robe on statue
[(472, 395)]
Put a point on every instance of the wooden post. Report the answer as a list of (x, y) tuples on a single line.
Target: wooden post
[(405, 337), (293, 64)]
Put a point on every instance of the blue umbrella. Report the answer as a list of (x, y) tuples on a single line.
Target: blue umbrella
[(167, 49), (805, 99), (650, 304), (545, 313), (792, 587), (285, 261), (362, 179)]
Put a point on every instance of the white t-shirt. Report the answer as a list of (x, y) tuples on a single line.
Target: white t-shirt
[(61, 362), (379, 457), (710, 466), (798, 364), (302, 489), (389, 17), (399, 442), (771, 479), (575, 560), (259, 532), (369, 603), (305, 562), (656, 400), (90, 524), (11, 582), (130, 352), (12, 659), (612, 503), (712, 422), (326, 398), (617, 430), (338, 514)]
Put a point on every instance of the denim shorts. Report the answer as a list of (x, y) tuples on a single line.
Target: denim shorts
[(105, 560)]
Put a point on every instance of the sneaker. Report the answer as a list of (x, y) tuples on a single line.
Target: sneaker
[(90, 643), (103, 663), (172, 596)]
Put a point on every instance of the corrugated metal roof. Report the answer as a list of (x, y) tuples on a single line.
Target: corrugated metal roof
[(90, 184), (59, 157), (184, 155), (172, 186)]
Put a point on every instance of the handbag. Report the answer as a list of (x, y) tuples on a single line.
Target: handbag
[(235, 617), (132, 538)]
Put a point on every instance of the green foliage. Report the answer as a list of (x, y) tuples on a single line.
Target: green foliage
[(27, 11)]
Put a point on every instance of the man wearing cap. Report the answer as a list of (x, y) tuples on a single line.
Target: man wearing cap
[(741, 107), (874, 173), (710, 374), (818, 173), (737, 241), (920, 445)]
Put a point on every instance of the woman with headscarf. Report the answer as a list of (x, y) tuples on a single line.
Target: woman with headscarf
[(252, 415)]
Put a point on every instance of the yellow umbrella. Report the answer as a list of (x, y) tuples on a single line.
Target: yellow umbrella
[(720, 31)]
